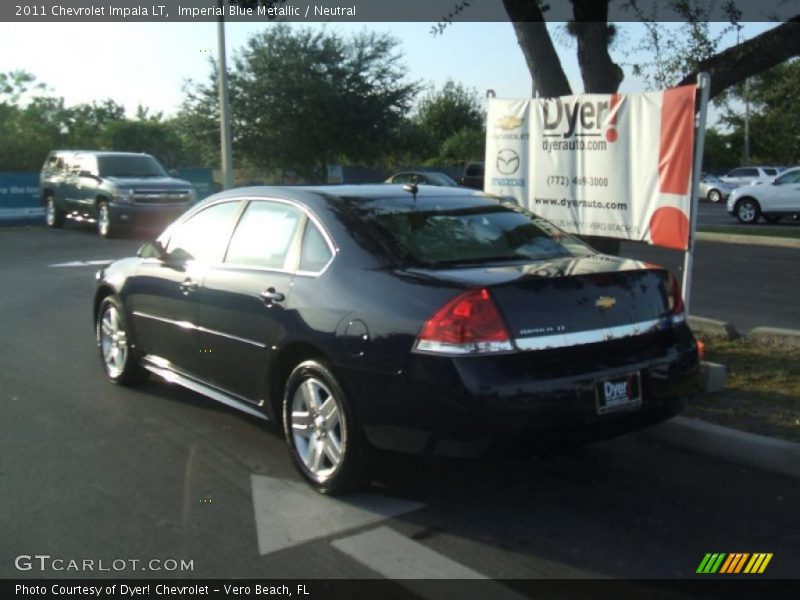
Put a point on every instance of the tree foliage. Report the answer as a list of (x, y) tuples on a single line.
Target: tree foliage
[(774, 109), (302, 99), (451, 122), (33, 122)]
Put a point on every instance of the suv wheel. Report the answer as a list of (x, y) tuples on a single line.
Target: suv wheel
[(104, 228), (714, 196), (325, 442), (52, 215), (747, 211)]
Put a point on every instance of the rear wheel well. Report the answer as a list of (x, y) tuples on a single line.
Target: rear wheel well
[(291, 356), (47, 194)]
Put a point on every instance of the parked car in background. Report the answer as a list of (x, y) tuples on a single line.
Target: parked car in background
[(115, 189), (747, 175), (437, 321), (773, 200), (713, 189), (473, 175), (423, 178)]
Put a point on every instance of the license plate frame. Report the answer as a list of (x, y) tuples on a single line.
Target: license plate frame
[(612, 396)]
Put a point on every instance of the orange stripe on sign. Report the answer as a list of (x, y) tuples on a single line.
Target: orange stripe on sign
[(738, 568), (728, 562), (677, 140)]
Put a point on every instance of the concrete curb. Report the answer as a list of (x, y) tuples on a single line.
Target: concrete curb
[(753, 240), (713, 328), (775, 336), (765, 453)]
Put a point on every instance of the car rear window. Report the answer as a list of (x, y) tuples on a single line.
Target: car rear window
[(473, 234)]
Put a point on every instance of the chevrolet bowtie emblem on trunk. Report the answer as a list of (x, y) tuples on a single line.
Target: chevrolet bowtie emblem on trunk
[(605, 302)]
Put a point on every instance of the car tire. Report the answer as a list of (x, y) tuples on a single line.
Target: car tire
[(103, 216), (53, 216), (772, 219), (114, 344), (747, 211), (714, 196), (325, 441)]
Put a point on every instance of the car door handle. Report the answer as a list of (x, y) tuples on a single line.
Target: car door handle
[(188, 286), (270, 295)]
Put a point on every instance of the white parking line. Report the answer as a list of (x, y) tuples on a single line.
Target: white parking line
[(83, 263), (397, 557), (288, 513)]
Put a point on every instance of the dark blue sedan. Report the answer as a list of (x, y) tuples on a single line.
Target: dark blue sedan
[(408, 318)]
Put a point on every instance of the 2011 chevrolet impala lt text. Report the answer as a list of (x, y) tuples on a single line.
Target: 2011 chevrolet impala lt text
[(417, 319)]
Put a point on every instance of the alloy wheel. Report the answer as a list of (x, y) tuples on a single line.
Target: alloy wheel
[(746, 212), (50, 212), (103, 219), (318, 428), (113, 342)]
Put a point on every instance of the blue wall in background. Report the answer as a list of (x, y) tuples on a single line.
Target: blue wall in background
[(19, 189)]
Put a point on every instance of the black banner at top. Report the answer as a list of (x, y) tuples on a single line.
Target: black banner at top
[(435, 11)]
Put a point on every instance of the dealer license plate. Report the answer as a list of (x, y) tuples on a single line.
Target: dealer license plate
[(619, 393)]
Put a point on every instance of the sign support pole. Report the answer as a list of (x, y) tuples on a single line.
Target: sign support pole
[(704, 84)]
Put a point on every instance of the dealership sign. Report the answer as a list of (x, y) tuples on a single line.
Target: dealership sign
[(607, 165)]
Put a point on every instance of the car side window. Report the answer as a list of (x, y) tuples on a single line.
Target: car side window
[(264, 235), (315, 253), (88, 164), (205, 234), (789, 178), (771, 172)]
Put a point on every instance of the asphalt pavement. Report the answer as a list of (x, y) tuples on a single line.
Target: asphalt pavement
[(747, 285), (89, 470), (716, 215)]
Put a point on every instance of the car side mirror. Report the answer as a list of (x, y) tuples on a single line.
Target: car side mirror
[(152, 249)]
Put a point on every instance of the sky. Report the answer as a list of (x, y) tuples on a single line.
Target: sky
[(149, 63)]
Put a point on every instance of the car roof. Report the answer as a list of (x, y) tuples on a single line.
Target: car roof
[(100, 152), (358, 193)]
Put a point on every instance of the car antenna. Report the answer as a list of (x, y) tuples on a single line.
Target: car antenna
[(413, 188)]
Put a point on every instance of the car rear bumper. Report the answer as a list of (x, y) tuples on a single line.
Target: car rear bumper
[(467, 406)]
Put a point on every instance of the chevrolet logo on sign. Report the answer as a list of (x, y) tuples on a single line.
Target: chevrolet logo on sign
[(508, 122), (605, 302)]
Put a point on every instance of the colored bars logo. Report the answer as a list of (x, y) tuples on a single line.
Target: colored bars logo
[(735, 563)]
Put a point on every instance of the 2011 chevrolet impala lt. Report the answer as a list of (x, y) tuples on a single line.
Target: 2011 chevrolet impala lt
[(418, 319)]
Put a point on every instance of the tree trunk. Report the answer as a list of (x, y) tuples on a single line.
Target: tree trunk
[(537, 47), (600, 74), (749, 58)]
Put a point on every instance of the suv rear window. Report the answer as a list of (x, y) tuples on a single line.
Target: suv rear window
[(472, 234)]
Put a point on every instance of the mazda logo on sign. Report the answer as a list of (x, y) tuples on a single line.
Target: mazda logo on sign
[(507, 161)]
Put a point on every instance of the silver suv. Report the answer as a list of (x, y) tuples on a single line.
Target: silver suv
[(748, 175), (115, 189)]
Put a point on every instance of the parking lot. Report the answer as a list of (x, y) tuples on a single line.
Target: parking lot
[(91, 470)]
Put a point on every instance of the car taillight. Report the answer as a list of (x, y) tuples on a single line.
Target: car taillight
[(675, 300), (468, 324)]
